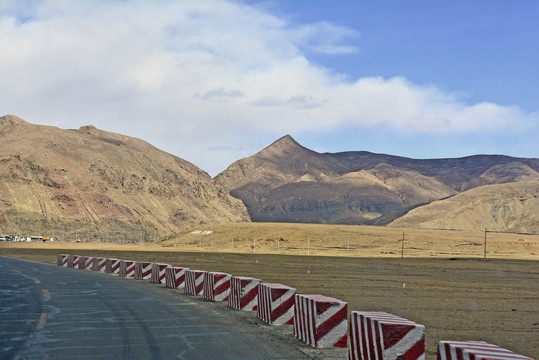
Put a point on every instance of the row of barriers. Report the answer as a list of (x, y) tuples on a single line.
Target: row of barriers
[(319, 321)]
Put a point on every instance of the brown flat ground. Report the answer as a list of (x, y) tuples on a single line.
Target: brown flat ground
[(357, 241), (442, 282)]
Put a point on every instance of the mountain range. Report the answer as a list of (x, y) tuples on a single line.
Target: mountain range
[(96, 184), (286, 182)]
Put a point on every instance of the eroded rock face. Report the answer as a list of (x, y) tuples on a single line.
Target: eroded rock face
[(93, 183), (289, 183)]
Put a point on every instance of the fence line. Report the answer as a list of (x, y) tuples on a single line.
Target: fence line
[(405, 245), (386, 242)]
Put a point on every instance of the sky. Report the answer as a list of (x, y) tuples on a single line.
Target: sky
[(213, 81)]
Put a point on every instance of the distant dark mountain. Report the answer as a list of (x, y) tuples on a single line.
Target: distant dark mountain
[(287, 182), (95, 184)]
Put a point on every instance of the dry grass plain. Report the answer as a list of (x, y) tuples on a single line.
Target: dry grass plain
[(442, 281), (356, 241)]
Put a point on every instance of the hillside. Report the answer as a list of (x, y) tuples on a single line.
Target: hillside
[(288, 183), (95, 184), (502, 207)]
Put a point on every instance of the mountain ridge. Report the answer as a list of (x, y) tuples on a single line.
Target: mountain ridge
[(289, 183), (108, 185), (101, 184)]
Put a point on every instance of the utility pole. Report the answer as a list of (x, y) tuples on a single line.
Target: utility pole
[(402, 251), (485, 250)]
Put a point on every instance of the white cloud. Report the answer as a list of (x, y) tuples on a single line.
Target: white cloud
[(325, 37), (220, 93), (194, 76)]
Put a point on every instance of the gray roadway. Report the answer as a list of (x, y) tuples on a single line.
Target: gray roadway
[(51, 312)]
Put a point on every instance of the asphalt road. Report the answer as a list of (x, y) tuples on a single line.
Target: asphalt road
[(51, 312)]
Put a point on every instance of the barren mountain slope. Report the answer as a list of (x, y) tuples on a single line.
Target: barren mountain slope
[(282, 162), (368, 196), (515, 171), (458, 173), (289, 183), (502, 207), (101, 184), (283, 169)]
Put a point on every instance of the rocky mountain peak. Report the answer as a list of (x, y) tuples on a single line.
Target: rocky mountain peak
[(286, 140), (12, 120), (88, 128), (284, 147)]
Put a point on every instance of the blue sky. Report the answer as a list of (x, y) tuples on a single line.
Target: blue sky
[(486, 49), (214, 81), (482, 50)]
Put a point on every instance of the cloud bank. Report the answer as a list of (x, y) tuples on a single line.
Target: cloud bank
[(194, 76)]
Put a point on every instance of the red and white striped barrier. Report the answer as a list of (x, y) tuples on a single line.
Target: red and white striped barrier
[(99, 264), (85, 262), (127, 269), (475, 350), (175, 277), (69, 261), (275, 304), (81, 262), (143, 270), (88, 262), (216, 286), (62, 260), (243, 293), (113, 266), (194, 282), (73, 261), (321, 321), (158, 273), (378, 335)]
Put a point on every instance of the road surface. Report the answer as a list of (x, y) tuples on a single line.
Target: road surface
[(52, 312)]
